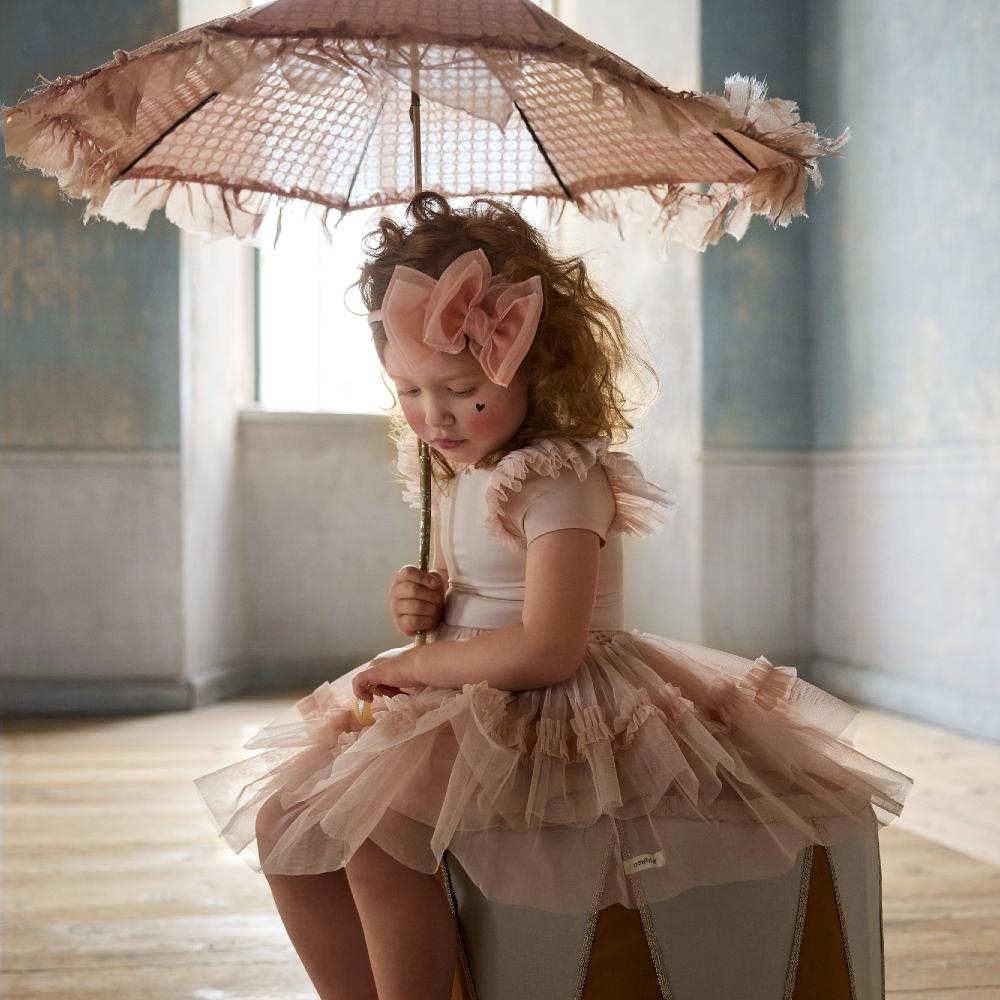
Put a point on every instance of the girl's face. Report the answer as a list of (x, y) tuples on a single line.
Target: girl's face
[(451, 398)]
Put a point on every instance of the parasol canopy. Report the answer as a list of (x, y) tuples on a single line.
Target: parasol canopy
[(225, 124)]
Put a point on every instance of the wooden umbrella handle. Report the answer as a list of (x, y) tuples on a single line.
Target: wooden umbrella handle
[(420, 636)]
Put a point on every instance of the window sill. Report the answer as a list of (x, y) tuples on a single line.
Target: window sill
[(259, 415)]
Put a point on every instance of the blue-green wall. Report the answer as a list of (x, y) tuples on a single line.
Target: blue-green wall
[(873, 322), (904, 269), (88, 314), (754, 295)]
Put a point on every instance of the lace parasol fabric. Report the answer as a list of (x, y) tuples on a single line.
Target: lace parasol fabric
[(225, 124)]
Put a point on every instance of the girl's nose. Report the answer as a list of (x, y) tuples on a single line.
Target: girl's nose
[(438, 414)]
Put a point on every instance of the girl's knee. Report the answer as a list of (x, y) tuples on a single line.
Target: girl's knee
[(370, 866), (271, 822)]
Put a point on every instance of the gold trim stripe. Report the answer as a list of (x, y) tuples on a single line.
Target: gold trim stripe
[(446, 879), (652, 942), (595, 912), (843, 927), (805, 877)]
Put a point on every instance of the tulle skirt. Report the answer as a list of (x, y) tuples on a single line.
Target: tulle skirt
[(707, 767)]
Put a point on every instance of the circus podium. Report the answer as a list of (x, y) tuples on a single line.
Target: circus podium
[(813, 932)]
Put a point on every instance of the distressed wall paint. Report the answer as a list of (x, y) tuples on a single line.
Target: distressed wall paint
[(873, 322), (905, 276), (755, 300), (89, 354)]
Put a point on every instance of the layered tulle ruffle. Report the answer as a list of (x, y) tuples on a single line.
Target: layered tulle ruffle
[(718, 767), (640, 506)]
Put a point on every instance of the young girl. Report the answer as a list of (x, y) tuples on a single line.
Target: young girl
[(531, 717)]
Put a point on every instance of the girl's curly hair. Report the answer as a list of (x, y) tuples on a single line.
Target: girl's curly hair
[(580, 349)]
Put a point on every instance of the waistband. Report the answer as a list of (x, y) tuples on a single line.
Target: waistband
[(466, 610)]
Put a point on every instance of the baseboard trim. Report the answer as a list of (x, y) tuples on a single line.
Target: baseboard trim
[(965, 712), (91, 696), (20, 696), (263, 675)]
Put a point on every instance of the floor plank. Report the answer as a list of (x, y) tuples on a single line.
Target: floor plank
[(116, 886)]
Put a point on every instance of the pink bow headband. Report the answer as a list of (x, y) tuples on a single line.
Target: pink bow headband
[(422, 315)]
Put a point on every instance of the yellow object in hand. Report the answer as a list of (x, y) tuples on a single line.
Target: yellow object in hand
[(363, 711)]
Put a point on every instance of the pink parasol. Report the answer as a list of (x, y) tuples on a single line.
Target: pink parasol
[(224, 124)]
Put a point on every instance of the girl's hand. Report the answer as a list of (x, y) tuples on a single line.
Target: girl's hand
[(387, 674), (416, 600)]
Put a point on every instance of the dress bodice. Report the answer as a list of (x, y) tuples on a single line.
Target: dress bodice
[(486, 518), (486, 578)]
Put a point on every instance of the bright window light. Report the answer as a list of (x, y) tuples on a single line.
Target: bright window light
[(316, 351)]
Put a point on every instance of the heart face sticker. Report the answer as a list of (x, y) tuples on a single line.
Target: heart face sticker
[(480, 407)]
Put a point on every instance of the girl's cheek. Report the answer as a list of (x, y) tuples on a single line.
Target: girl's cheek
[(412, 414), (486, 415)]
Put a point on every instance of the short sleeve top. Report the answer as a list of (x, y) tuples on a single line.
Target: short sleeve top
[(487, 518), (546, 504)]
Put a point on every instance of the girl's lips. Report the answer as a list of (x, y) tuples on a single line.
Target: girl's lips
[(446, 443)]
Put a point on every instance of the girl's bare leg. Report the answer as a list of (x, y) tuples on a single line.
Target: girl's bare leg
[(322, 923), (411, 934)]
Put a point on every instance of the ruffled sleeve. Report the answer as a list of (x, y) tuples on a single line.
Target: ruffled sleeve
[(522, 502)]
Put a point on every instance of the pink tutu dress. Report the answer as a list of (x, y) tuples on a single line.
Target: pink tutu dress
[(713, 767)]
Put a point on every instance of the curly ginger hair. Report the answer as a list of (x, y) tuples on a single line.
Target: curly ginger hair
[(580, 350)]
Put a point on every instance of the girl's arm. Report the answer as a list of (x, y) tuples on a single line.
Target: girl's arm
[(547, 645)]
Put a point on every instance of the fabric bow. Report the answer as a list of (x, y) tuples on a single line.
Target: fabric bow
[(422, 315)]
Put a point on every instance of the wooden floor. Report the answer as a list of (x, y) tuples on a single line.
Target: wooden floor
[(115, 887)]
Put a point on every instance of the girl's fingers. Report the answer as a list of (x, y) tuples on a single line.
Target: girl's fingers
[(410, 616), (415, 575), (372, 689), (417, 589), (411, 607), (410, 623), (420, 594)]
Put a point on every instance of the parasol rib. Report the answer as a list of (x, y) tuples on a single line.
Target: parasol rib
[(361, 158), (722, 138), (163, 135), (541, 149)]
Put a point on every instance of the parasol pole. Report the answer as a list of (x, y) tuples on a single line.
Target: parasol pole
[(424, 452), (424, 458), (362, 708)]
